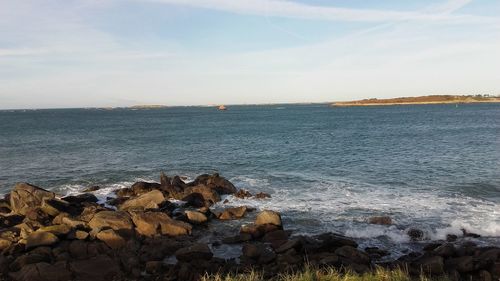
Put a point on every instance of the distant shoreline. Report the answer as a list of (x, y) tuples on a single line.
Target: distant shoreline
[(434, 99)]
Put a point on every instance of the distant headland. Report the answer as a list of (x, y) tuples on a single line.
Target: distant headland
[(431, 99)]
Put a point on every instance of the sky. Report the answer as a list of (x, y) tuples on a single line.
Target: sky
[(86, 53)]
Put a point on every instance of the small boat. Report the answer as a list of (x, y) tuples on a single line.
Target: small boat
[(222, 107)]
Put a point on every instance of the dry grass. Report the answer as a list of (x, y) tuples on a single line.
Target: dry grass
[(329, 274)]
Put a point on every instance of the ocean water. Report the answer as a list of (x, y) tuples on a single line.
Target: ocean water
[(434, 167)]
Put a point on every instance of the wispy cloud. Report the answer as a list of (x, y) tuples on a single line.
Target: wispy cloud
[(289, 9)]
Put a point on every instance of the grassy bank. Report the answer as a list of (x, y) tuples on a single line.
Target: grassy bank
[(326, 275)]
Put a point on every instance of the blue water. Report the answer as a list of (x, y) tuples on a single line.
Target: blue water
[(432, 166)]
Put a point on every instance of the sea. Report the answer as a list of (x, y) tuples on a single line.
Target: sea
[(431, 167)]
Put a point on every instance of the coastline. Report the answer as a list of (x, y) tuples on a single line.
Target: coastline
[(421, 100), (172, 228)]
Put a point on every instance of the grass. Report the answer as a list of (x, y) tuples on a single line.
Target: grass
[(329, 274)]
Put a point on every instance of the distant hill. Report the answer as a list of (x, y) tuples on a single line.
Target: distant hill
[(433, 99)]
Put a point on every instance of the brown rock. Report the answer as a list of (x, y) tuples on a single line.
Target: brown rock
[(4, 244), (446, 250), (216, 182), (142, 187), (149, 200), (116, 220), (196, 251), (268, 217), (431, 265), (242, 194), (25, 196), (461, 264), (111, 238), (196, 217), (43, 271), (262, 195), (54, 206), (353, 254), (382, 220), (81, 198), (40, 238), (151, 223), (57, 229), (233, 213), (100, 267), (210, 196)]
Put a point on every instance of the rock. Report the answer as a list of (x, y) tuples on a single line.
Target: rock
[(332, 241), (92, 188), (25, 197), (10, 220), (89, 211), (37, 217), (152, 223), (242, 194), (461, 264), (268, 217), (73, 223), (210, 196), (216, 182), (485, 276), (78, 234), (149, 200), (153, 266), (196, 217), (451, 237), (382, 220), (81, 198), (276, 238), (243, 237), (100, 267), (233, 213), (117, 220), (5, 206), (40, 238), (262, 195), (431, 265), (178, 184), (415, 234), (57, 229), (142, 187), (195, 200), (446, 250), (353, 254), (43, 271), (165, 181), (295, 243), (253, 251), (27, 259), (4, 244), (111, 238), (55, 206), (196, 251)]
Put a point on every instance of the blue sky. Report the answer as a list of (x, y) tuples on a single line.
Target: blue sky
[(80, 53)]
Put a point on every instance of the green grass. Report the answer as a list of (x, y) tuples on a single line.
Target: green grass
[(329, 274)]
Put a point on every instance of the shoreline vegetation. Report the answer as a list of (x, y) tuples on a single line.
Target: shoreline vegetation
[(432, 99), (167, 230)]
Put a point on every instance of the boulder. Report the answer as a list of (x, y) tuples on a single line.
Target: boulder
[(445, 250), (10, 220), (117, 220), (4, 244), (100, 267), (57, 229), (111, 238), (195, 200), (149, 200), (253, 250), (196, 217), (27, 259), (81, 198), (262, 195), (415, 234), (461, 264), (142, 187), (25, 197), (382, 220), (54, 207), (268, 217), (216, 182), (233, 213), (152, 223), (242, 194), (194, 252), (92, 188), (43, 271), (210, 196), (430, 265), (353, 254), (40, 238)]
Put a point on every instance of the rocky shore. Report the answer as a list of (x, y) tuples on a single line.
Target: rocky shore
[(163, 231)]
